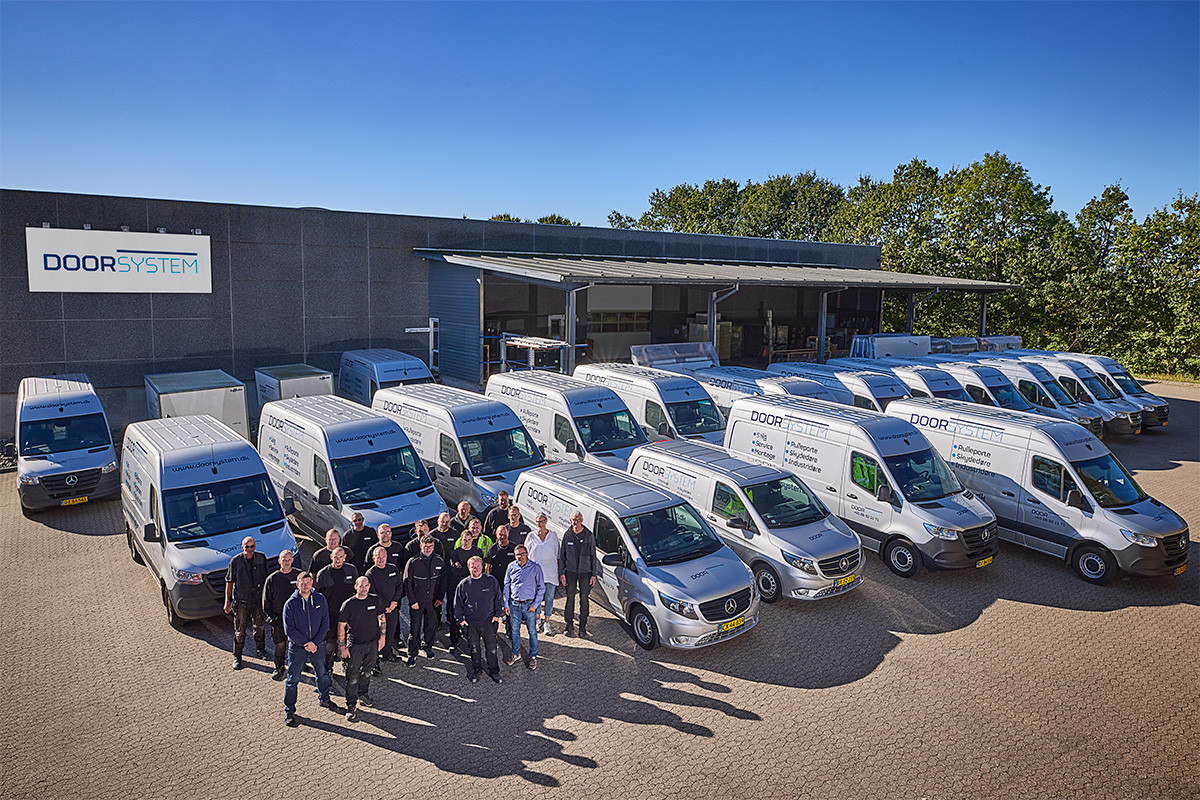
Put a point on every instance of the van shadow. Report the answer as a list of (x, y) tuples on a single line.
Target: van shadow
[(94, 518)]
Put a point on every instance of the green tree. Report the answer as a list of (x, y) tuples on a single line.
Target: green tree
[(556, 219), (506, 218)]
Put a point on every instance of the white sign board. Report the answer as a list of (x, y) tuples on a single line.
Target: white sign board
[(116, 261)]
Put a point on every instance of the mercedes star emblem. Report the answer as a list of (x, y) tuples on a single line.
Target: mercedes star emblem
[(844, 564), (730, 606), (72, 480)]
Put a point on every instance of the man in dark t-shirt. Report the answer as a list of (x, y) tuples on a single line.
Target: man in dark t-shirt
[(336, 582), (360, 637)]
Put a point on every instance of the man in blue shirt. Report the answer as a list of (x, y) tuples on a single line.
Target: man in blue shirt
[(524, 589), (305, 623)]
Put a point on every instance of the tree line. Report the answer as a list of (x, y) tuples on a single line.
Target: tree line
[(1102, 282)]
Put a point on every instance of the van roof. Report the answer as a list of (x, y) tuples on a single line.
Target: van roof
[(1067, 435), (460, 404), (714, 458), (621, 492), (876, 426), (646, 375), (172, 382), (74, 383), (325, 411), (379, 355), (48, 397), (574, 390), (287, 371), (189, 449), (1077, 368)]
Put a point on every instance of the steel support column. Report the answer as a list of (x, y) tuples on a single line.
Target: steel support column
[(912, 313), (822, 312), (982, 314)]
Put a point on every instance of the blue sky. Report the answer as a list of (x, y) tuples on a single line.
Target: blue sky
[(452, 109)]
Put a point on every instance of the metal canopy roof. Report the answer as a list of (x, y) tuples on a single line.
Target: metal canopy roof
[(573, 271)]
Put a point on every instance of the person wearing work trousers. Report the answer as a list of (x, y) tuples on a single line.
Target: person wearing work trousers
[(477, 605), (424, 586), (387, 583), (524, 586), (305, 623), (360, 638), (280, 585), (244, 580), (577, 568), (456, 567), (336, 582)]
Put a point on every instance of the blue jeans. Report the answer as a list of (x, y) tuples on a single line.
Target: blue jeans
[(296, 659), (523, 613), (548, 604)]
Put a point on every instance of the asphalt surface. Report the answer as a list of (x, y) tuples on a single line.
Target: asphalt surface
[(1015, 681)]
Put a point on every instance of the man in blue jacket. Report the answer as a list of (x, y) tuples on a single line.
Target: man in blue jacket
[(305, 623)]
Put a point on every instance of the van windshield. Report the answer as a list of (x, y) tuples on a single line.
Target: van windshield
[(211, 509), (373, 476), (500, 451), (1108, 384), (41, 437), (1109, 482), (922, 476), (1097, 388), (696, 416), (1128, 383), (671, 536), (957, 393), (785, 503), (609, 431), (1008, 397)]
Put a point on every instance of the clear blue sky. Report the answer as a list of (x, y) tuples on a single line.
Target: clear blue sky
[(452, 109)]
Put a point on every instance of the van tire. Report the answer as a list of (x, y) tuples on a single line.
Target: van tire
[(133, 553), (902, 557), (1093, 563), (173, 618), (767, 581), (645, 632)]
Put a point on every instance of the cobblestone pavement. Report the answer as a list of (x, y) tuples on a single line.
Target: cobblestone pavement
[(1017, 681)]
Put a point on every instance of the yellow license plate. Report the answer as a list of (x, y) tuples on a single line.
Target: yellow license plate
[(846, 581), (1180, 570), (983, 562), (74, 501), (733, 623)]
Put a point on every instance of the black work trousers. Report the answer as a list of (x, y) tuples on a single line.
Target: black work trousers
[(279, 638), (423, 624), (481, 636), (455, 626), (245, 615), (331, 647), (580, 582), (358, 671), (390, 618)]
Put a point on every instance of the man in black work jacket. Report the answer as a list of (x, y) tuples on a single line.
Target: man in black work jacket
[(244, 580), (324, 557), (478, 608), (280, 585), (577, 568), (424, 587), (388, 584), (336, 582)]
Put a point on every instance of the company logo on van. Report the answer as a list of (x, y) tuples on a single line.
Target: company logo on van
[(56, 404), (511, 391), (972, 430), (539, 496), (218, 462), (671, 479)]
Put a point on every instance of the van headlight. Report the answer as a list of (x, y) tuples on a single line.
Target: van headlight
[(800, 562), (1139, 538), (683, 608), (109, 467), (488, 499), (183, 576), (30, 480), (941, 533), (1083, 420)]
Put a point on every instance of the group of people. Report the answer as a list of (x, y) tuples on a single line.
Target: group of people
[(466, 574)]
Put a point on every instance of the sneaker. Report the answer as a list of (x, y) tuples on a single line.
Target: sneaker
[(351, 716), (473, 677), (365, 700), (569, 632), (429, 653), (510, 659), (237, 662), (411, 661), (546, 631), (290, 720), (496, 677), (583, 634), (279, 674), (532, 662)]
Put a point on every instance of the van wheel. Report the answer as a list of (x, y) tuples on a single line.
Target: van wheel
[(173, 618), (645, 632), (902, 558), (133, 553), (767, 581), (1094, 564)]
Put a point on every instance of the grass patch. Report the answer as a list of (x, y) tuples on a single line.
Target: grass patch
[(1168, 377)]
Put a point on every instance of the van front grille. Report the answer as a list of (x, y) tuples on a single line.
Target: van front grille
[(833, 566), (1096, 426), (1175, 549), (216, 581), (1163, 412), (716, 610), (980, 538), (71, 484)]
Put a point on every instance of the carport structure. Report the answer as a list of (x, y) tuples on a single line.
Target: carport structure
[(457, 284)]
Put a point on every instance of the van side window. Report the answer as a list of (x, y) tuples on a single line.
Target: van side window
[(727, 504), (1034, 393), (1072, 389), (321, 474), (979, 395), (446, 450), (654, 415), (562, 429), (1051, 478), (608, 540), (918, 393), (864, 471), (863, 402)]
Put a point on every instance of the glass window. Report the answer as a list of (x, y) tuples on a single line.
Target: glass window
[(500, 451), (785, 503), (42, 437), (609, 431), (1073, 388), (696, 416), (922, 475), (1050, 478), (727, 504), (373, 476), (1054, 390), (562, 430), (864, 471), (1108, 481), (321, 474), (953, 394), (863, 402), (979, 395), (919, 393), (671, 536), (654, 415), (215, 508), (1097, 388), (1034, 393), (608, 540), (447, 452), (1128, 383), (1008, 397)]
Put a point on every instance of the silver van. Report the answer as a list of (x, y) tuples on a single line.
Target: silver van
[(872, 390), (921, 381), (364, 372), (1037, 385), (775, 524), (1083, 386), (1118, 381), (664, 570)]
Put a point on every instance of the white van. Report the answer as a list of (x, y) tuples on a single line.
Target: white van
[(1118, 381), (1082, 385), (211, 392), (728, 384), (880, 345), (873, 390), (1038, 387), (877, 473), (364, 372), (921, 381), (570, 419), (191, 490), (775, 524), (664, 403), (988, 386), (475, 447), (663, 568), (334, 457), (290, 380), (1055, 488), (64, 448)]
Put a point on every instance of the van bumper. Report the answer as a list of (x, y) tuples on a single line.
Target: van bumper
[(686, 634), (37, 496), (799, 585), (1121, 426), (954, 554), (1152, 562), (197, 601)]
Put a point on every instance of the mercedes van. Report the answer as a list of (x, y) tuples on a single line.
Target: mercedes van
[(663, 568), (333, 458), (474, 446), (569, 418), (191, 490), (877, 473), (364, 372), (1054, 488), (868, 389), (728, 384), (664, 403), (1038, 387), (921, 381), (64, 448), (775, 523), (1119, 382), (1082, 386)]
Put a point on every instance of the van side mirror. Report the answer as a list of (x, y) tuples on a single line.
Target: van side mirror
[(289, 506), (613, 560), (573, 447), (325, 497), (884, 493), (456, 469), (10, 450), (432, 473), (1075, 500), (150, 532), (737, 523), (665, 430)]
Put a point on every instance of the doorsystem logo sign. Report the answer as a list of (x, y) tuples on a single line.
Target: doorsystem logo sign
[(85, 261)]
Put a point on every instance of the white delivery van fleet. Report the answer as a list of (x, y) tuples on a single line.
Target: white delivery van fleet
[(475, 446), (775, 524), (1037, 385), (364, 372), (569, 418), (64, 448), (664, 403), (877, 473), (868, 389), (290, 380), (988, 386), (921, 381), (1118, 381), (663, 569), (212, 392), (1082, 385), (191, 490), (1055, 488), (333, 458)]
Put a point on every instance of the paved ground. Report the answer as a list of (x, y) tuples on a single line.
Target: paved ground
[(1017, 681)]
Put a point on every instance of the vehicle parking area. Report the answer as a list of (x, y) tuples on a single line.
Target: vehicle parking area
[(1018, 680)]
